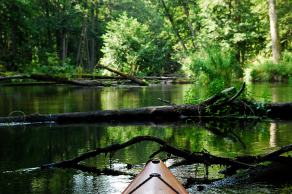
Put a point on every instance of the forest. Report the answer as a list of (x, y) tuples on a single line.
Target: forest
[(90, 90), (208, 41)]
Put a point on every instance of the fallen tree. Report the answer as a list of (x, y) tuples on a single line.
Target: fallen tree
[(91, 80), (141, 82), (252, 164), (224, 105), (54, 79), (148, 114)]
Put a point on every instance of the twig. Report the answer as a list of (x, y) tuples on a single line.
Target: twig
[(105, 171), (161, 149), (166, 102)]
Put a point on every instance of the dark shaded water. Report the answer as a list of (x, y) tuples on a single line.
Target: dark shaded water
[(24, 147)]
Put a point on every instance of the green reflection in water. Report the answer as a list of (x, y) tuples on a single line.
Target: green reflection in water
[(30, 146), (274, 92), (58, 99)]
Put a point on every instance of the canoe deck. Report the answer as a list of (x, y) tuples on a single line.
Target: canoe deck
[(155, 178)]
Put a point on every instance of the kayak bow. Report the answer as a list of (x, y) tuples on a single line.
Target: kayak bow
[(155, 178)]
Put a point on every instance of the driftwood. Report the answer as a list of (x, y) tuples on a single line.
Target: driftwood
[(147, 114), (64, 80), (162, 114), (251, 163), (53, 79), (151, 79), (196, 157), (90, 80), (223, 105), (130, 77)]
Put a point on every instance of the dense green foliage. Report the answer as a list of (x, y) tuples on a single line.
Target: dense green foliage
[(266, 70), (143, 37), (215, 63), (131, 47)]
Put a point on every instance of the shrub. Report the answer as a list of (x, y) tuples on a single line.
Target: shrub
[(266, 70), (51, 66), (215, 67)]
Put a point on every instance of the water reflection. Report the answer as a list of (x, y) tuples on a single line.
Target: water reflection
[(30, 146), (273, 135), (274, 92), (22, 147), (58, 99)]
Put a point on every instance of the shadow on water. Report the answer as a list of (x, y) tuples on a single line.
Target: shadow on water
[(24, 147)]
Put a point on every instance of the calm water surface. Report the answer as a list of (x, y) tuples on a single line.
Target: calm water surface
[(25, 147)]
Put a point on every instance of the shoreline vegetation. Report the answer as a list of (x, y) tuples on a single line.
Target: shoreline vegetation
[(121, 42), (210, 42)]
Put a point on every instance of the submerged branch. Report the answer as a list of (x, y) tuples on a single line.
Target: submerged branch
[(253, 170), (189, 157), (105, 171), (197, 157)]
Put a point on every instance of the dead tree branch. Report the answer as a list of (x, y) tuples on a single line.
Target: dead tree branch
[(251, 163), (195, 157), (130, 77)]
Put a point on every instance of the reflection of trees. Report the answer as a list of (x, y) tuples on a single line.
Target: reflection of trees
[(276, 92), (137, 97), (49, 99), (273, 135), (36, 145)]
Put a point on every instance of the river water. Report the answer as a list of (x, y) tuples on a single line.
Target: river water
[(22, 148)]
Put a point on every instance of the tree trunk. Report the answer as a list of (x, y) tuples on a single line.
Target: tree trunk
[(147, 114), (130, 77), (92, 39), (47, 14), (54, 79), (63, 46), (209, 109), (80, 50), (274, 31), (187, 13), (168, 15)]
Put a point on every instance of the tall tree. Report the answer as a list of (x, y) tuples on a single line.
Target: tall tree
[(185, 5), (274, 31), (174, 27)]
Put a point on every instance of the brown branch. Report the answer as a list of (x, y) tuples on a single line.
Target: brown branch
[(189, 158), (53, 79), (198, 157), (105, 171), (215, 98), (237, 94), (276, 153), (161, 149), (166, 102), (130, 77)]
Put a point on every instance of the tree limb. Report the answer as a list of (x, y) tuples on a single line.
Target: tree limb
[(198, 157), (130, 77)]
